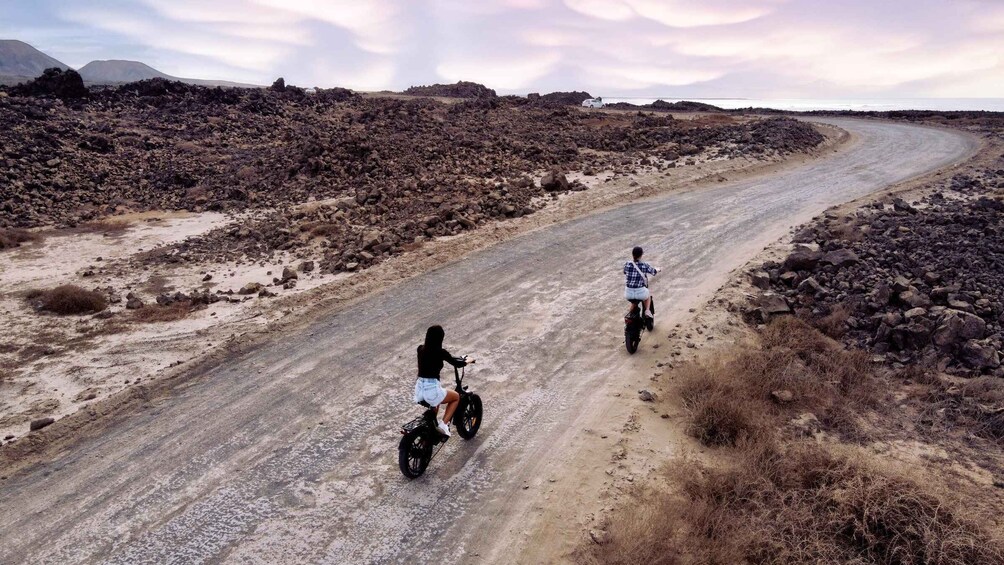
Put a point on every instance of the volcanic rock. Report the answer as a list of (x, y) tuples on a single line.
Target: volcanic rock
[(554, 181), (40, 423)]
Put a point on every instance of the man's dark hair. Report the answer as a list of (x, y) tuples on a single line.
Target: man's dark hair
[(636, 253)]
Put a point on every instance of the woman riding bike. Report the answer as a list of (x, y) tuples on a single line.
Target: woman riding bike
[(427, 387), (636, 275)]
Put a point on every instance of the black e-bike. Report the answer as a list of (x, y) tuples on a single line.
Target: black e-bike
[(422, 435), (634, 322)]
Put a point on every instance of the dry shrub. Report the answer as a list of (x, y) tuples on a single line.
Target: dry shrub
[(12, 237), (67, 299), (645, 534), (806, 505), (720, 414), (977, 406), (729, 399), (158, 313), (788, 332), (917, 373), (720, 420), (834, 324), (105, 227)]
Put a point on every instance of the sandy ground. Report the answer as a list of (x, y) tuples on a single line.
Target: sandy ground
[(51, 366), (286, 452)]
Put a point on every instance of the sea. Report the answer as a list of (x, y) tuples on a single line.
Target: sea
[(856, 104)]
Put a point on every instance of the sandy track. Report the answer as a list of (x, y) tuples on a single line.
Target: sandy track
[(288, 453)]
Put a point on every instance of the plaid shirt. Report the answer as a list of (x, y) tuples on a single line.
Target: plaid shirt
[(635, 280)]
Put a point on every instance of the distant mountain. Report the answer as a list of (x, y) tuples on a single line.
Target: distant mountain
[(20, 60), (119, 71)]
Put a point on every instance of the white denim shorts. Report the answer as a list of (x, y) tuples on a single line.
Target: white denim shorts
[(429, 390), (636, 293)]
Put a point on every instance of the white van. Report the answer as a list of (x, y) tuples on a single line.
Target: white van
[(592, 103)]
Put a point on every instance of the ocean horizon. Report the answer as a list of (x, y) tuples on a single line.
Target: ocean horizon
[(855, 104)]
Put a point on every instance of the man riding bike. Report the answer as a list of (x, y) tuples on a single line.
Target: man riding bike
[(636, 284)]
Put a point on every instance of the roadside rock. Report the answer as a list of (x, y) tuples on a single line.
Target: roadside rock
[(554, 181), (251, 288), (40, 423)]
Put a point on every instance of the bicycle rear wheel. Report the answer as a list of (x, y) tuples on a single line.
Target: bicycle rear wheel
[(414, 453)]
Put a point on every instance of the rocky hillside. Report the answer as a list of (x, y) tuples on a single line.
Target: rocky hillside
[(18, 60), (119, 71)]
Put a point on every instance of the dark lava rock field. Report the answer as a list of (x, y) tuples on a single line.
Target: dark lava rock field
[(387, 169), (918, 282)]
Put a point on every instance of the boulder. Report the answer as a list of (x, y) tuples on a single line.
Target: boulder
[(251, 288), (901, 205), (306, 266), (288, 274), (133, 303), (371, 239), (957, 327), (782, 396), (810, 286), (40, 423), (554, 181), (979, 355), (773, 304), (802, 260), (914, 298), (840, 257), (760, 279)]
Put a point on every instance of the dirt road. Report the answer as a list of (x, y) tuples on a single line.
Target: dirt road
[(288, 453)]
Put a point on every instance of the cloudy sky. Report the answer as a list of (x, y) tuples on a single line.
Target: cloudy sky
[(669, 48)]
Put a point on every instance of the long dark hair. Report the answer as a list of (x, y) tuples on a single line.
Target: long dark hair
[(433, 341)]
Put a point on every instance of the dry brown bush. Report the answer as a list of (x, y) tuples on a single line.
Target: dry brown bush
[(834, 324), (976, 406), (13, 237), (67, 300), (158, 313), (105, 227), (646, 534), (729, 399), (805, 505)]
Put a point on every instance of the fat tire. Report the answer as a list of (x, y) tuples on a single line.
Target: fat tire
[(412, 455), (631, 340), (467, 418)]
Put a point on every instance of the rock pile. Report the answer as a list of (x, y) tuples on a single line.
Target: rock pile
[(920, 282), (573, 98), (462, 89), (54, 82)]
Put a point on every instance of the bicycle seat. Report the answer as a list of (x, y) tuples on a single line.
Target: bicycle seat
[(636, 302), (424, 403)]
